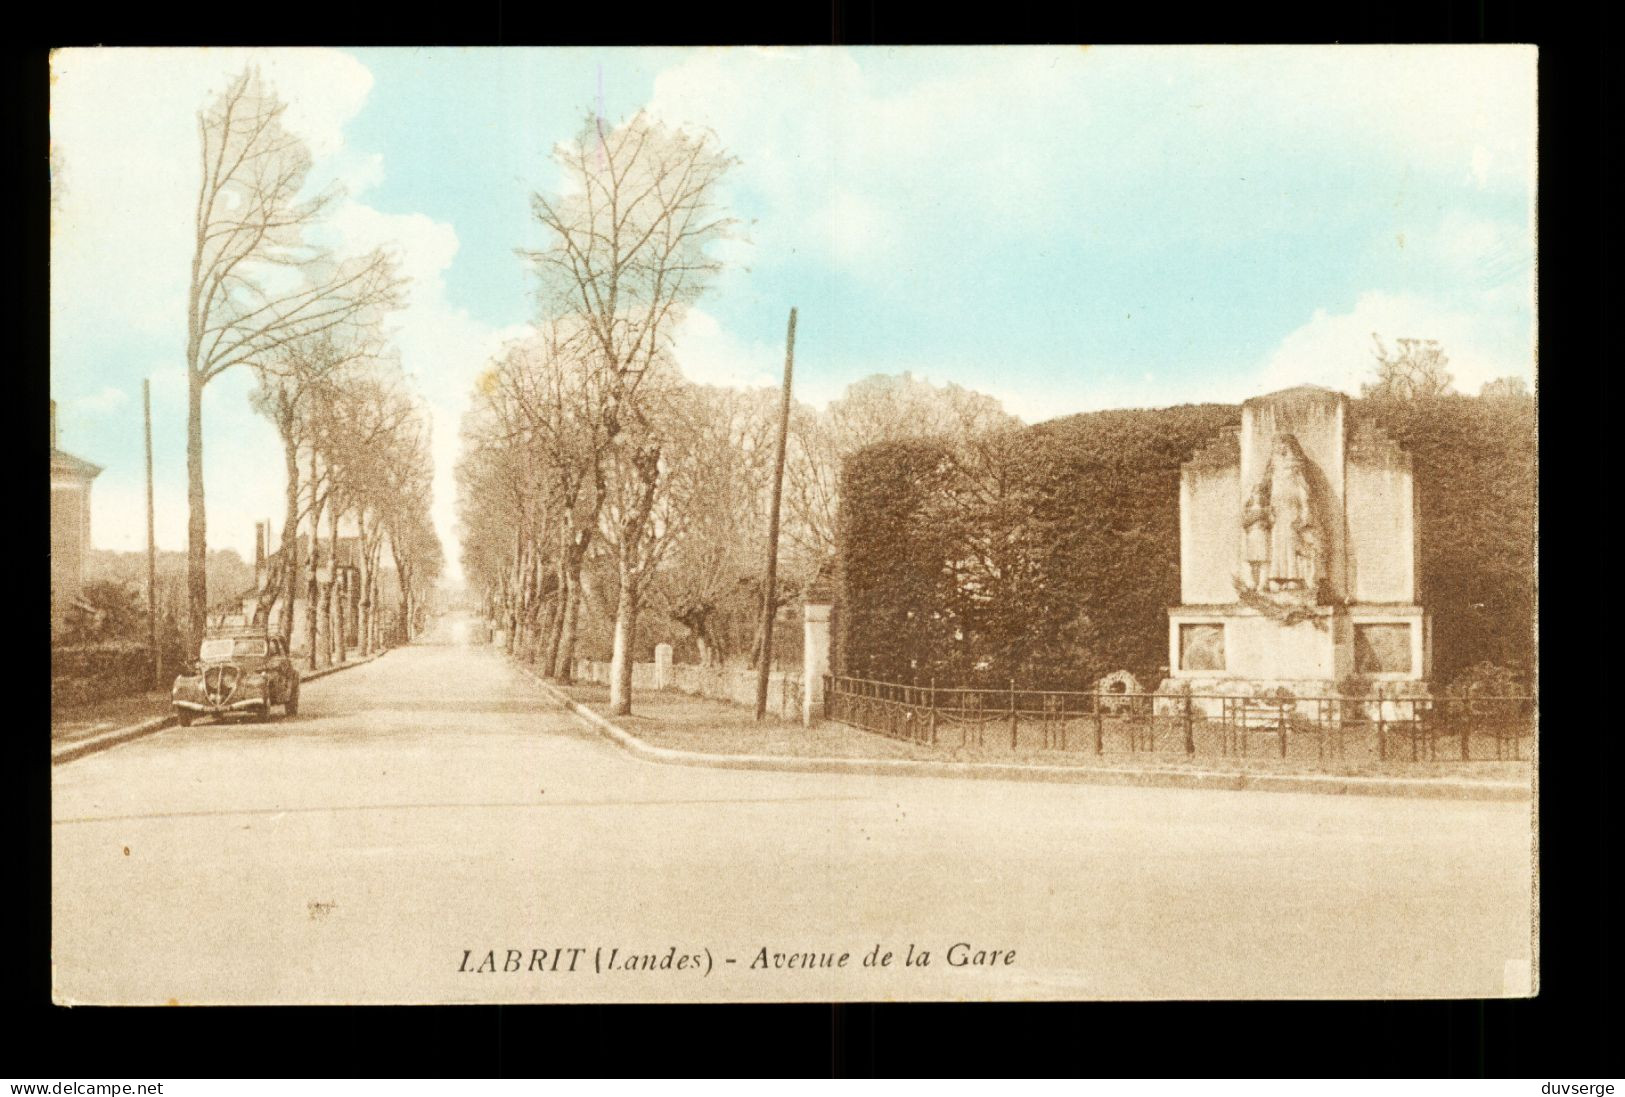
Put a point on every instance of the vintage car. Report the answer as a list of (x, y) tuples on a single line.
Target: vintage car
[(239, 672)]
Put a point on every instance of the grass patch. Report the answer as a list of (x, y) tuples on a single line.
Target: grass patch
[(71, 723), (681, 722)]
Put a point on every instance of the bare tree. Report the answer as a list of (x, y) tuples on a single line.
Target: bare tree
[(380, 427), (1505, 386), (626, 256), (1414, 370), (404, 499), (541, 429), (257, 280), (291, 380), (649, 510), (880, 408), (712, 584)]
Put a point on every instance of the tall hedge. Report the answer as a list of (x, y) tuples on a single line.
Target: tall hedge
[(1047, 554), (1050, 554), (890, 573), (1474, 462)]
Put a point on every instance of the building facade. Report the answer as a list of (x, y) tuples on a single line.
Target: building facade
[(71, 478)]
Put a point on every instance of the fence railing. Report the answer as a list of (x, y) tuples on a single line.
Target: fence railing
[(1378, 727)]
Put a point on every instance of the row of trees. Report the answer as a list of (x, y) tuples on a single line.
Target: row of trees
[(583, 441), (268, 294), (356, 456), (595, 481), (546, 516), (1416, 369)]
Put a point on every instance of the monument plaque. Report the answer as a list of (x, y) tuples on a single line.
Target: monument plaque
[(1298, 555)]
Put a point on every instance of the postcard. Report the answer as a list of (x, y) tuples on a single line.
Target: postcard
[(792, 524)]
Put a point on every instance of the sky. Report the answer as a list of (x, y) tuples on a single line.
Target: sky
[(1064, 228)]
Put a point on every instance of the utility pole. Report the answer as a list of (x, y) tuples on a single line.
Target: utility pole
[(152, 547), (765, 667)]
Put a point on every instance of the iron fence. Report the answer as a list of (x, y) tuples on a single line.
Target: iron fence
[(1380, 727)]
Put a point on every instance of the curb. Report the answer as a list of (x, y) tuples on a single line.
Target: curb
[(113, 738), (1412, 787), (312, 675)]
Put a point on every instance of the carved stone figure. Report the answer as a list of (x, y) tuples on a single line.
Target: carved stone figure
[(1255, 524), (1284, 545)]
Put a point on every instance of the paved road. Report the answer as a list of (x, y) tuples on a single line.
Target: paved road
[(433, 802)]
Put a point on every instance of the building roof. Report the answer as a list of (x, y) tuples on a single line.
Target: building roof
[(73, 466), (349, 557)]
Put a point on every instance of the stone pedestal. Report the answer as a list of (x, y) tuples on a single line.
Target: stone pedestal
[(663, 666), (815, 618), (1298, 480)]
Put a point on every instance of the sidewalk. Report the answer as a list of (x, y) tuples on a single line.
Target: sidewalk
[(75, 723), (77, 730), (679, 729)]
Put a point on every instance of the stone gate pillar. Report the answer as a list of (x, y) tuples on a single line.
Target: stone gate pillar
[(814, 659), (662, 666)]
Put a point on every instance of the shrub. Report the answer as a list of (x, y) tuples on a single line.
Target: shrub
[(1475, 472), (1487, 680), (105, 610), (94, 672), (1048, 554)]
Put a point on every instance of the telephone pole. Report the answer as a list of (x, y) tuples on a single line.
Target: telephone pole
[(765, 664), (152, 547)]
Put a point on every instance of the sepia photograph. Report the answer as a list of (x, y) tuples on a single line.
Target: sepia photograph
[(803, 524)]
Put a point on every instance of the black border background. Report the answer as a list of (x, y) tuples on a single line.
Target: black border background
[(1570, 1031)]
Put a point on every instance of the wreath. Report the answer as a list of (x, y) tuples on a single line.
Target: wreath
[(1286, 616)]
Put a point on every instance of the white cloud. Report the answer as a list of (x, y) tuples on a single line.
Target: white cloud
[(1335, 350), (708, 354), (855, 230), (831, 153), (357, 175), (1481, 311), (975, 136), (120, 242), (105, 400), (1490, 259)]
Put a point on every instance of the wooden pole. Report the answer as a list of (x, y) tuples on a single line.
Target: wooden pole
[(765, 667), (152, 547)]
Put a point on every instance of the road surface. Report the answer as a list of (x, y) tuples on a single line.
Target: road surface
[(430, 822)]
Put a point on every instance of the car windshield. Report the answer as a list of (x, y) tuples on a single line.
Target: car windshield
[(228, 648)]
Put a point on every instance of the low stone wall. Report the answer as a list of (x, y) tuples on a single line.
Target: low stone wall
[(590, 670), (736, 685)]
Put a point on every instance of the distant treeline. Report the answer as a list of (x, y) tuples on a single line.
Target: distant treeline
[(1050, 554), (229, 575)]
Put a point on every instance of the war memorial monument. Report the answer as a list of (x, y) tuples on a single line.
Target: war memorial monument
[(1297, 557)]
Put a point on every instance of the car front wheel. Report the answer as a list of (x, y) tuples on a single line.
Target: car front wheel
[(183, 717), (291, 708)]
